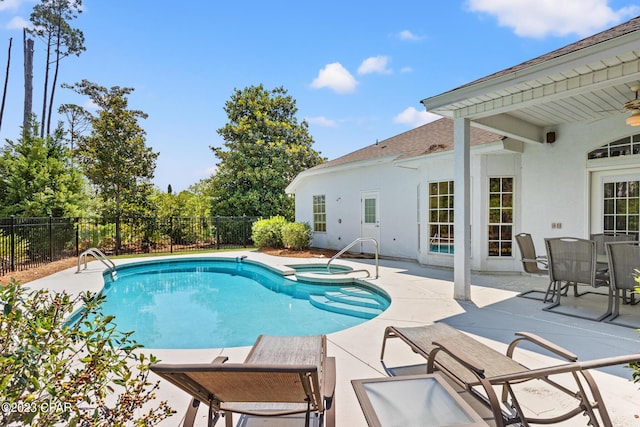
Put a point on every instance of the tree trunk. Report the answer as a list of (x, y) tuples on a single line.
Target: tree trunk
[(55, 75), (28, 81), (46, 87), (53, 91), (6, 82)]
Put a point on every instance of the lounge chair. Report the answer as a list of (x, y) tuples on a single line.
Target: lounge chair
[(479, 370), (280, 376)]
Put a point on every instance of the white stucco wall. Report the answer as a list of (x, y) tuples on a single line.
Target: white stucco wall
[(556, 179), (343, 187)]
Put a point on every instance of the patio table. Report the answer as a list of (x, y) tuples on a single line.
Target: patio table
[(412, 401)]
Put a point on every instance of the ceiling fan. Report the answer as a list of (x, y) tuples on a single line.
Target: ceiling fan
[(634, 107)]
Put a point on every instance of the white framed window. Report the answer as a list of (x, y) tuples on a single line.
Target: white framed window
[(319, 214), (500, 225), (621, 206), (623, 147), (441, 217)]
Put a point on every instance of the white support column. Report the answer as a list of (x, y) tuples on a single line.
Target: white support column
[(462, 210)]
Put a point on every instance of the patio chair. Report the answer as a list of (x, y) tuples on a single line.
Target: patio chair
[(281, 376), (574, 261), (624, 262), (490, 376), (602, 239), (532, 263)]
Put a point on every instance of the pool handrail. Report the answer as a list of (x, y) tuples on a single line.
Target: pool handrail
[(97, 254), (358, 240)]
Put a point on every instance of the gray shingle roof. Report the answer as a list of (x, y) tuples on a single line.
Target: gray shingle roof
[(606, 35), (430, 138)]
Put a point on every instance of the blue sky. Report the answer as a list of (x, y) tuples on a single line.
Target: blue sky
[(357, 69)]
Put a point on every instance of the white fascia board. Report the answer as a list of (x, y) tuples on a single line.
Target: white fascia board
[(506, 144), (291, 188), (599, 51)]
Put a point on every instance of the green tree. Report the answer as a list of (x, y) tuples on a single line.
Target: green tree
[(114, 155), (38, 177), (192, 202), (50, 20), (266, 148)]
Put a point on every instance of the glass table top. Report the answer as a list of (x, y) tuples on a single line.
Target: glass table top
[(420, 400)]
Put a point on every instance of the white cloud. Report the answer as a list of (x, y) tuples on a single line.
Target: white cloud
[(539, 18), (321, 121), (375, 64), (335, 77), (406, 70), (408, 35), (17, 23), (12, 4), (415, 118)]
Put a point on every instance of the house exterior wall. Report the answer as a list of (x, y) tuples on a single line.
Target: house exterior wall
[(552, 194), (556, 180), (483, 166), (396, 189)]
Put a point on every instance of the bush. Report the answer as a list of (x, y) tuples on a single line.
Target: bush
[(83, 373), (267, 233), (296, 235)]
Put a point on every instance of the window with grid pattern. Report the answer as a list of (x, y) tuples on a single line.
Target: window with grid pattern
[(621, 207), (319, 214), (441, 217), (500, 217), (623, 147)]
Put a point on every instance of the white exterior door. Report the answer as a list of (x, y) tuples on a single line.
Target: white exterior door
[(615, 201), (369, 220)]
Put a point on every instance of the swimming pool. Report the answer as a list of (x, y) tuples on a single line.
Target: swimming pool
[(221, 302)]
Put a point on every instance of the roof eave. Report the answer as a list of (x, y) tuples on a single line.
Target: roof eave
[(441, 104)]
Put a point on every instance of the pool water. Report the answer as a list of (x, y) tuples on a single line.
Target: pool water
[(214, 303)]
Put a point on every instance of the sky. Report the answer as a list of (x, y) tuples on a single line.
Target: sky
[(357, 70)]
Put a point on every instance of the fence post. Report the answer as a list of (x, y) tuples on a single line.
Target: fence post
[(50, 238), (77, 227), (12, 243), (171, 234), (244, 230), (117, 234), (217, 232)]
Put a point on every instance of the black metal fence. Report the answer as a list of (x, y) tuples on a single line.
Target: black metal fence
[(30, 242)]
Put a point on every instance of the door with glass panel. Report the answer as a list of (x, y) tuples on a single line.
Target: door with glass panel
[(370, 220), (615, 200)]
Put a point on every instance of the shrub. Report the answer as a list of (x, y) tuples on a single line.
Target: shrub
[(296, 235), (21, 248), (83, 373), (267, 233)]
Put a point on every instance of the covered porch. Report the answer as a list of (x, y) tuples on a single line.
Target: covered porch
[(575, 111)]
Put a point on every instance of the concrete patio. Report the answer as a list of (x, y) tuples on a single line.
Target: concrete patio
[(422, 295)]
